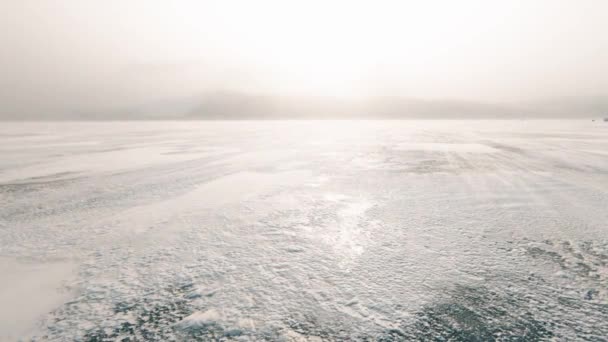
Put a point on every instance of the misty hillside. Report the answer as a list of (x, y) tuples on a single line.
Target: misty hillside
[(225, 105), (237, 106)]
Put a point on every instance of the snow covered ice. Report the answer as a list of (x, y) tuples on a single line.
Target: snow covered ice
[(304, 230)]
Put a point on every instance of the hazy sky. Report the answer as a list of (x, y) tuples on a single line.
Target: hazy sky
[(61, 55)]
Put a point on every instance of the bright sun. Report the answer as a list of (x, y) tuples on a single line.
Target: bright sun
[(428, 48), (332, 47)]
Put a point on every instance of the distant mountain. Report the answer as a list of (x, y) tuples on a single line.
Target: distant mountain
[(226, 105), (566, 107)]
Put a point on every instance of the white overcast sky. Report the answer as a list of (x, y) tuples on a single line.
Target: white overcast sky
[(67, 54)]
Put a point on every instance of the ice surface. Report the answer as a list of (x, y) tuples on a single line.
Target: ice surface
[(28, 291), (311, 230)]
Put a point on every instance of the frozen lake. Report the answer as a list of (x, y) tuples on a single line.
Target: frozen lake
[(304, 230)]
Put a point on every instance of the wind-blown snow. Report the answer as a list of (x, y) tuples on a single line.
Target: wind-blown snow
[(381, 230)]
